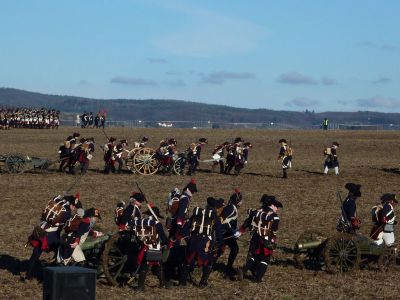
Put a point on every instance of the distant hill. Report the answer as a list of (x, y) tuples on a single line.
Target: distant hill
[(155, 110)]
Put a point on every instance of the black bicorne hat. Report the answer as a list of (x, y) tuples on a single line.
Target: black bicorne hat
[(135, 196), (282, 141), (353, 188), (389, 197)]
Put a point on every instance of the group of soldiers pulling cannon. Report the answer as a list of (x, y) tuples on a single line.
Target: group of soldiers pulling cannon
[(166, 159), (192, 240), (29, 118), (188, 240)]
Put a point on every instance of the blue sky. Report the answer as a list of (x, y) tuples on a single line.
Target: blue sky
[(284, 55)]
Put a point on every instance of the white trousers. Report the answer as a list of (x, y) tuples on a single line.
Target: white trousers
[(385, 237), (336, 170)]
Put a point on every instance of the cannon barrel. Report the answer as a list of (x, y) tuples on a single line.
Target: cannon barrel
[(309, 245)]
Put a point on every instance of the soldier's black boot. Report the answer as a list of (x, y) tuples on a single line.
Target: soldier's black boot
[(141, 280), (221, 166), (204, 277), (242, 271), (260, 271), (184, 275), (285, 174), (161, 277)]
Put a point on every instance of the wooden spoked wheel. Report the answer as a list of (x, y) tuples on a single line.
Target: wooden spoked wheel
[(342, 253), (114, 260), (129, 161), (146, 162), (15, 163)]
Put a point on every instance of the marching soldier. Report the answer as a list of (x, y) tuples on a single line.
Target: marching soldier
[(229, 216), (264, 224), (348, 221), (331, 160), (152, 239), (285, 155)]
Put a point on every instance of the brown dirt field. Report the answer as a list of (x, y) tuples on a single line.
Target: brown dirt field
[(308, 197)]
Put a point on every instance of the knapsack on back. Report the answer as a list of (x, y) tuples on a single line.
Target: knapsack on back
[(73, 223), (289, 151), (261, 224), (146, 232), (173, 201), (202, 221), (55, 210), (327, 151)]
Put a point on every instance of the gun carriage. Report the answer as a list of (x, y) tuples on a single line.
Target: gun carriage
[(18, 163), (146, 161), (341, 252)]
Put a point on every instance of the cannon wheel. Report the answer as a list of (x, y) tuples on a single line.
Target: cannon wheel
[(15, 163), (387, 259), (311, 257), (342, 253), (179, 166), (145, 161), (129, 161), (113, 261)]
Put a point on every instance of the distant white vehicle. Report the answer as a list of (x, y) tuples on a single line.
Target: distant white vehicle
[(165, 124)]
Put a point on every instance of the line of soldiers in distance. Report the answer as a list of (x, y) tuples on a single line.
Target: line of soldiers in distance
[(88, 120), (36, 118)]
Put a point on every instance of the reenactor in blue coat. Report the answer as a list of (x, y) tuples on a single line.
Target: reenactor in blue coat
[(263, 224), (231, 233), (348, 221)]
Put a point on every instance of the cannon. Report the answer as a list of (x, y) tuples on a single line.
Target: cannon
[(341, 252), (17, 163)]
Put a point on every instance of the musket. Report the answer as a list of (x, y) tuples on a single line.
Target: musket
[(105, 134), (147, 202), (73, 185)]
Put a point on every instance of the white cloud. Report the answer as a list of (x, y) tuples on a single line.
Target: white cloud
[(208, 33), (379, 102)]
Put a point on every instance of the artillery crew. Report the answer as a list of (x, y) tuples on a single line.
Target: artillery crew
[(46, 236), (231, 233), (331, 159), (385, 220), (348, 221), (285, 155), (77, 230), (193, 156), (205, 238), (218, 156), (152, 239), (264, 224)]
